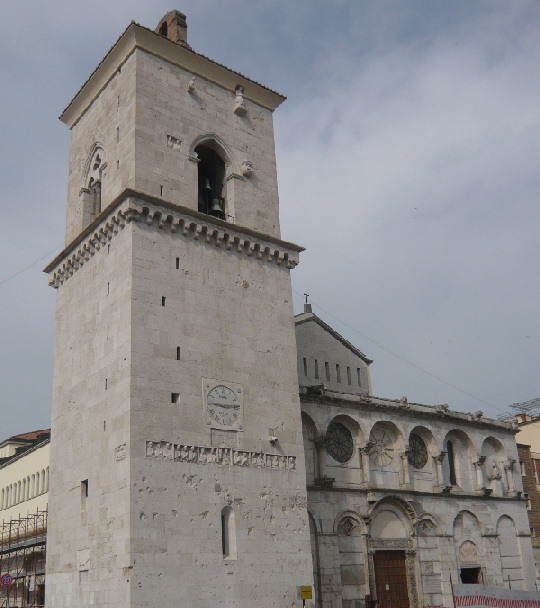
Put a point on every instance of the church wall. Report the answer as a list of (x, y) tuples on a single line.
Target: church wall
[(88, 537), (439, 532), (231, 316), (165, 108), (314, 343)]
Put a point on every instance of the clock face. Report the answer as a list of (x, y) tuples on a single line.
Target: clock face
[(418, 455), (223, 406), (382, 447)]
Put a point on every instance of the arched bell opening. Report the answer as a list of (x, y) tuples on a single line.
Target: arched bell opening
[(211, 180)]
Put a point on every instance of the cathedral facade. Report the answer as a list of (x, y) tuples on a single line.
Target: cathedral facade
[(404, 499), (180, 444)]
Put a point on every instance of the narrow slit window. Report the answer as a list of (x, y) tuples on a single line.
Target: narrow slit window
[(117, 164), (327, 370), (161, 190), (177, 263), (108, 288), (228, 533), (106, 383), (178, 353), (305, 367), (117, 134), (163, 300), (348, 375), (358, 376), (451, 463), (316, 369), (84, 492), (338, 373)]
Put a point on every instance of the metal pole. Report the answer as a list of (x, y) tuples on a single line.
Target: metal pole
[(452, 589)]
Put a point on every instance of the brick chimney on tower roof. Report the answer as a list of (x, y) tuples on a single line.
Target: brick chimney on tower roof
[(174, 27)]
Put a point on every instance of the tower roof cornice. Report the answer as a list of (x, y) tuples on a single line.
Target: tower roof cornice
[(135, 37)]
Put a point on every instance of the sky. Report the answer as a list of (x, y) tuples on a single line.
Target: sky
[(408, 163)]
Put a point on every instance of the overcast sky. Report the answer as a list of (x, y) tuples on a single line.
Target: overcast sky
[(408, 161)]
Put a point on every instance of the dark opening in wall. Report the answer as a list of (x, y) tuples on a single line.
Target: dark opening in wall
[(316, 369), (327, 370), (178, 353), (358, 376), (177, 263), (305, 367), (163, 300), (175, 397), (348, 375), (84, 492), (211, 169), (338, 373)]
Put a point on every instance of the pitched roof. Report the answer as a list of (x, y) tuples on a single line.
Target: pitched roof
[(33, 435), (310, 316)]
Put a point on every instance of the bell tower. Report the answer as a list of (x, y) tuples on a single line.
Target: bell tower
[(177, 467)]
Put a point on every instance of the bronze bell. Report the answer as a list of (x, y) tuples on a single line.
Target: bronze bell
[(207, 185), (216, 206)]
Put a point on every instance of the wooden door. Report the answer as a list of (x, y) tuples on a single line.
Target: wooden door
[(391, 579)]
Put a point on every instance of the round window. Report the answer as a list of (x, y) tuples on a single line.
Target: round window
[(339, 442), (418, 456), (382, 447)]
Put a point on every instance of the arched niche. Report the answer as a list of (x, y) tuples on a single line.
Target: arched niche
[(352, 557), (214, 168), (309, 434), (510, 552), (342, 439), (92, 188), (456, 466), (386, 448), (468, 544), (494, 458), (421, 448)]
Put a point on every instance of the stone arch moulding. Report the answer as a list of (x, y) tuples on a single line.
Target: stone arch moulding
[(399, 503), (229, 158), (96, 146), (355, 518)]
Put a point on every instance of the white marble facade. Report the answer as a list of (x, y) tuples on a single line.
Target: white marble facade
[(438, 491)]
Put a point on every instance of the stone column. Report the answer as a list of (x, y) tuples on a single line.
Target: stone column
[(322, 480), (438, 466), (364, 462), (405, 466), (480, 483)]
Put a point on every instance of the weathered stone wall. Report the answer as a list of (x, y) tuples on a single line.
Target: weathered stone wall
[(88, 538), (167, 168), (441, 527), (231, 316)]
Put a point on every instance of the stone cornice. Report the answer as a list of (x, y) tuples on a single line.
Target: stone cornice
[(363, 403), (436, 495), (133, 206)]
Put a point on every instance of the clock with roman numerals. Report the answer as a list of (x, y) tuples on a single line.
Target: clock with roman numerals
[(223, 402)]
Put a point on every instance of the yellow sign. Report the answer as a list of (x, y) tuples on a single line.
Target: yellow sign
[(305, 592)]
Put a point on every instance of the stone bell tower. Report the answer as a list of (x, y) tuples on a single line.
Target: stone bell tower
[(177, 468)]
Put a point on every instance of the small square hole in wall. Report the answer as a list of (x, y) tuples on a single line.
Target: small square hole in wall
[(175, 397), (163, 300)]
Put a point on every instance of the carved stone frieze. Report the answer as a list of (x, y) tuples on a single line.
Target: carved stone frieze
[(227, 457)]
